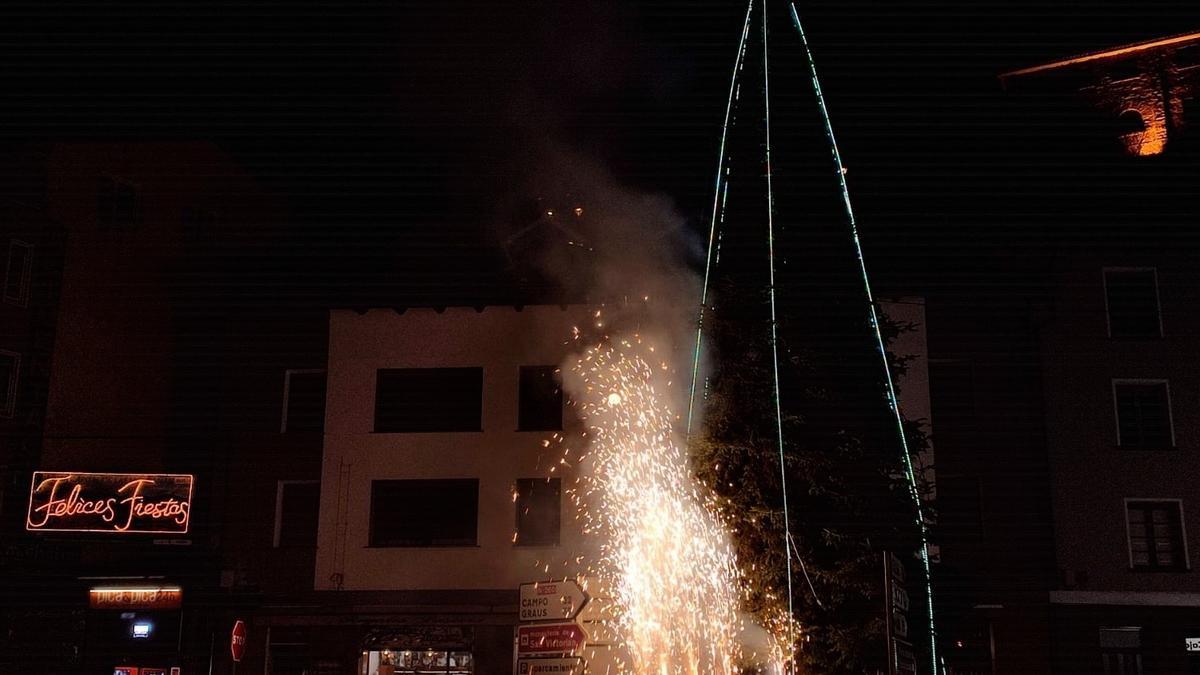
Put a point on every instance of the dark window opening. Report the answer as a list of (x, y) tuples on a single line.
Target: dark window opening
[(299, 506), (1185, 57), (1132, 297), (19, 273), (1121, 650), (118, 206), (428, 400), (304, 401), (1155, 536), (10, 373), (416, 513), (541, 399), (1130, 122), (539, 511), (1143, 415)]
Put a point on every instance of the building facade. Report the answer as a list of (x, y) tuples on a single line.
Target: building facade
[(1063, 381), (104, 301)]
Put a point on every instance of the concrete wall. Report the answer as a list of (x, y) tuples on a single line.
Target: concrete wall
[(500, 340)]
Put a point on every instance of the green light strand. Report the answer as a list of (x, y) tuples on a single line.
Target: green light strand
[(787, 527), (718, 204), (893, 403)]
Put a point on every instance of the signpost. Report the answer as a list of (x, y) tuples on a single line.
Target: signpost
[(237, 641), (549, 640), (561, 666), (551, 600), (900, 656)]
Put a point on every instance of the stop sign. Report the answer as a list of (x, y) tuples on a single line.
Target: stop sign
[(237, 640)]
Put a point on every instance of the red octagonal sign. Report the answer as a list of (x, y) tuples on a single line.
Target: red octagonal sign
[(237, 640)]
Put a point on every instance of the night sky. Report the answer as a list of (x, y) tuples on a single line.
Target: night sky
[(396, 131)]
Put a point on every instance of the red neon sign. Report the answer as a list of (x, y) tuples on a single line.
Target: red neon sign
[(109, 502), (135, 598)]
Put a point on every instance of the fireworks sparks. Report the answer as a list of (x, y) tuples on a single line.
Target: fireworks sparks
[(664, 553)]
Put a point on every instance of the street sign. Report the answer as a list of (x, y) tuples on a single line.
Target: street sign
[(559, 666), (906, 660), (899, 597), (897, 567), (1193, 644), (237, 640), (550, 638), (551, 600)]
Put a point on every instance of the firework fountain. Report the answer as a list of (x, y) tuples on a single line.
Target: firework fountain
[(664, 550)]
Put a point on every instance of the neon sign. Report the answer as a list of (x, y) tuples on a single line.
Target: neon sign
[(164, 597), (109, 502)]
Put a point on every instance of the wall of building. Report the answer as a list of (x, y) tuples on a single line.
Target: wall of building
[(1092, 475), (499, 339)]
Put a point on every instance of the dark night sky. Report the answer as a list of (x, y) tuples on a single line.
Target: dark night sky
[(398, 124)]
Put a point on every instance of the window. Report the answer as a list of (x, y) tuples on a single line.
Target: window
[(428, 399), (303, 400), (424, 661), (297, 504), (198, 221), (1121, 650), (541, 399), (1155, 535), (1132, 301), (10, 373), (424, 512), (118, 206), (1143, 410), (18, 273), (538, 511), (1130, 122)]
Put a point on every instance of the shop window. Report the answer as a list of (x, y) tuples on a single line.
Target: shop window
[(1155, 535), (303, 401), (19, 273), (1121, 650), (539, 511), (402, 662), (118, 204), (428, 400), (297, 505), (541, 399), (427, 513), (10, 374), (1131, 296), (1143, 409)]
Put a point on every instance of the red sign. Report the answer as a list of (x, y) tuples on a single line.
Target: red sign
[(237, 640), (550, 638), (135, 598), (109, 502)]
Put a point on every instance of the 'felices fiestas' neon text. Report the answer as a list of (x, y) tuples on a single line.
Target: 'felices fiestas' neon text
[(65, 503)]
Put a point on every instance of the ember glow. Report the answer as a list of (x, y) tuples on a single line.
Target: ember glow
[(665, 552)]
